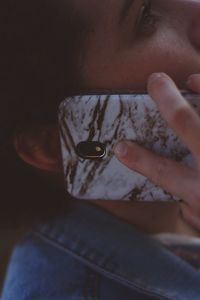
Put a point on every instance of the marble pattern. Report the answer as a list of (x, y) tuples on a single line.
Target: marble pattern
[(109, 119)]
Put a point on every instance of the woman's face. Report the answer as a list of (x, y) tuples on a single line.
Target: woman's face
[(130, 39)]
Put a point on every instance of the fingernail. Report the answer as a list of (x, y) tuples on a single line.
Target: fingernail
[(156, 76), (193, 77), (121, 149), (189, 81)]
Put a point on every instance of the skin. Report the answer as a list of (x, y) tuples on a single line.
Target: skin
[(119, 56)]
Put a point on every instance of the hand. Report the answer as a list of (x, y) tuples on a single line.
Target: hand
[(179, 180)]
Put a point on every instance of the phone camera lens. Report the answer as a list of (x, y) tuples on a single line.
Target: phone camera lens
[(91, 150)]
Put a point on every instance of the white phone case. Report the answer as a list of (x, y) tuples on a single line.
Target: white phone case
[(109, 119)]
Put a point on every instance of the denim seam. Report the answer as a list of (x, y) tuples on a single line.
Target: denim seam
[(90, 290), (85, 288), (120, 278), (96, 286), (94, 283)]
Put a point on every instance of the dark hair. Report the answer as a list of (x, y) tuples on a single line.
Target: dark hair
[(41, 55)]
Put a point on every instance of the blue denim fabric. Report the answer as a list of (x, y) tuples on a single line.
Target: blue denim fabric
[(89, 254)]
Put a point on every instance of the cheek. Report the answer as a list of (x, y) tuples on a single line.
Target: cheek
[(129, 68), (166, 52)]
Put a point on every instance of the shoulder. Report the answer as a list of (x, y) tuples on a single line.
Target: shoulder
[(39, 270)]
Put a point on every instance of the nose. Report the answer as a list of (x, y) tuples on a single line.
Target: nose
[(184, 15)]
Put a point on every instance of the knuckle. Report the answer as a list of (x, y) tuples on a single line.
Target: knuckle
[(195, 199), (134, 160), (160, 171), (182, 116), (197, 215), (187, 215), (194, 194), (191, 211), (196, 212)]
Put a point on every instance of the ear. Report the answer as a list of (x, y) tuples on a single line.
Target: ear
[(40, 148)]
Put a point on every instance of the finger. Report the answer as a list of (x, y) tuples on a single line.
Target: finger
[(171, 176), (179, 114), (194, 83), (190, 216)]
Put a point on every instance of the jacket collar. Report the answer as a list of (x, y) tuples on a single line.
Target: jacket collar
[(118, 251)]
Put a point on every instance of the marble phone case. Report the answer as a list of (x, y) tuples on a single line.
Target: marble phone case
[(109, 119)]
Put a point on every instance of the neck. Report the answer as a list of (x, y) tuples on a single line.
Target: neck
[(150, 217)]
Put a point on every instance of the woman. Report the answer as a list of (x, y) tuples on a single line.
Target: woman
[(118, 46)]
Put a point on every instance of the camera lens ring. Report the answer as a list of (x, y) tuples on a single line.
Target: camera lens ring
[(91, 150)]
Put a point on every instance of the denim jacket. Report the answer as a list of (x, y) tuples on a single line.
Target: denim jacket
[(89, 254)]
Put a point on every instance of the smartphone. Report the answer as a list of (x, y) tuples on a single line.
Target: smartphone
[(91, 125)]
